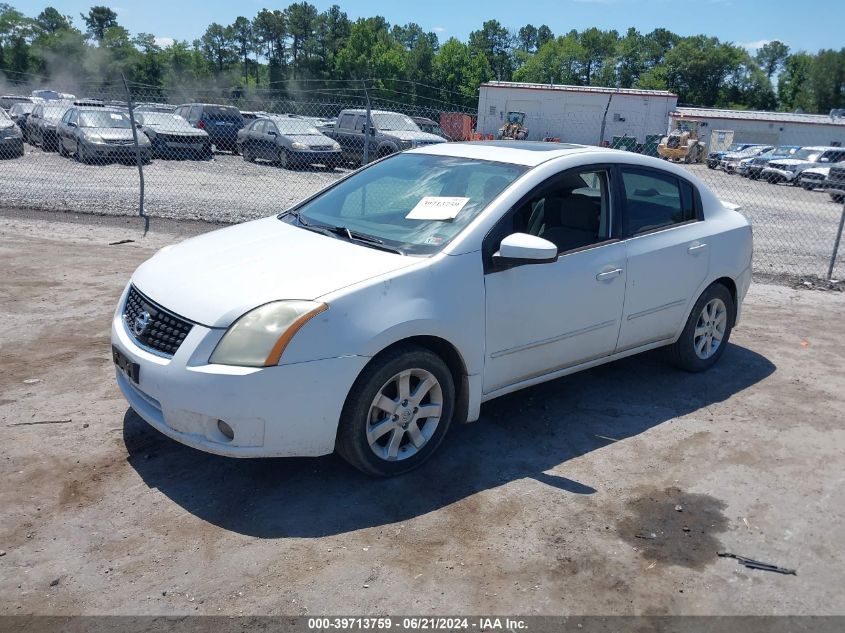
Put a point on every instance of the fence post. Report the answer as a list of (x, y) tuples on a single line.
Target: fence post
[(836, 245), (141, 211), (366, 159)]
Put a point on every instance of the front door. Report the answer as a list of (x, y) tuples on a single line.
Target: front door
[(545, 317)]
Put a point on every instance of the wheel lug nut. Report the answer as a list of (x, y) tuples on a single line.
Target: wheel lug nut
[(404, 403), (395, 417)]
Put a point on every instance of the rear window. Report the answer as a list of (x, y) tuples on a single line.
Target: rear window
[(221, 112)]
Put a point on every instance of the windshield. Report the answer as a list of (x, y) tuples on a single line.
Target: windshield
[(22, 108), (104, 119), (807, 154), (783, 150), (394, 121), (377, 200), (295, 127), (53, 112), (161, 119)]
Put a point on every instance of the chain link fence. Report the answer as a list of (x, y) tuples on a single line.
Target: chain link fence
[(228, 157)]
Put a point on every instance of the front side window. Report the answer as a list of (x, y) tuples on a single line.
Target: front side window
[(377, 201), (572, 210), (347, 122), (655, 200)]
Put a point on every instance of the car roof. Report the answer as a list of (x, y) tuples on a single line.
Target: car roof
[(528, 153)]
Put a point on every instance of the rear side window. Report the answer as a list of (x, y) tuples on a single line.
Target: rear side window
[(655, 200)]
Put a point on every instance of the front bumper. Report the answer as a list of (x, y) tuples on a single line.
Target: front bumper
[(315, 156), (126, 152), (281, 411), (11, 146)]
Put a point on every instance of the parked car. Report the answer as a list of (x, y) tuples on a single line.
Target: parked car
[(221, 122), (788, 170), (52, 95), (41, 126), (154, 107), (813, 177), (7, 101), (11, 139), (19, 113), (756, 165), (730, 161), (389, 132), (289, 142), (713, 158), (94, 134), (834, 184), (171, 136), (421, 286), (429, 126)]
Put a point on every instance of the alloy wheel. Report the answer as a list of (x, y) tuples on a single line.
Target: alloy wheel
[(710, 328), (404, 414)]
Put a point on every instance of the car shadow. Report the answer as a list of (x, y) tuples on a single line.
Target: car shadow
[(521, 435)]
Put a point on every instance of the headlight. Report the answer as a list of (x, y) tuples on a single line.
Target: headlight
[(335, 146), (94, 138), (258, 338), (299, 146)]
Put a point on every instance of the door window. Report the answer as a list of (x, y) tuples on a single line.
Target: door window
[(258, 126), (655, 200), (359, 123), (347, 122), (572, 210)]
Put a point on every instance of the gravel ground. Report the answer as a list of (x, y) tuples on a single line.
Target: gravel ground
[(794, 229), (606, 492)]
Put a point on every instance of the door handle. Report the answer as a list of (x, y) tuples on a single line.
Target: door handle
[(692, 250), (609, 274)]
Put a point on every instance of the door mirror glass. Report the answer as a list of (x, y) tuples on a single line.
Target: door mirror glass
[(523, 248)]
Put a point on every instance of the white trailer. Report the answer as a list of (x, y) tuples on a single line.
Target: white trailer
[(589, 115)]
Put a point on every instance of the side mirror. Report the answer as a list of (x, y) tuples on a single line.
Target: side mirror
[(71, 124), (372, 130), (522, 248), (272, 133)]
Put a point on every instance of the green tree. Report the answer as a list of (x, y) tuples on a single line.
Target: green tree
[(558, 61), (496, 44), (696, 67), (218, 44), (827, 77), (244, 37), (51, 21), (771, 57), (459, 69), (596, 46), (99, 20), (794, 85), (526, 39), (301, 19)]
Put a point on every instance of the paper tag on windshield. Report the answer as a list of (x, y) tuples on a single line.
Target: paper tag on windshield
[(437, 208), (116, 117)]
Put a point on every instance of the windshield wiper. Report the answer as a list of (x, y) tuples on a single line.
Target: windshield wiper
[(342, 231)]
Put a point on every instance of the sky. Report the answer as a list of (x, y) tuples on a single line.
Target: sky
[(806, 26)]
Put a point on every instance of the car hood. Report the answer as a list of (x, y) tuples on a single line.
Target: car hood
[(824, 171), (215, 278), (408, 135), (788, 162), (109, 133)]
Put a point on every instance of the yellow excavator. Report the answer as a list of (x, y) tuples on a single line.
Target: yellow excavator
[(513, 128), (682, 144)]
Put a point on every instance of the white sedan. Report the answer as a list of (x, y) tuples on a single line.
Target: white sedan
[(374, 315)]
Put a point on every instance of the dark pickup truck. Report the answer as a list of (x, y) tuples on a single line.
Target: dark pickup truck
[(388, 132)]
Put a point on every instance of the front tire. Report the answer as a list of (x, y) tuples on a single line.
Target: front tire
[(706, 332), (397, 412)]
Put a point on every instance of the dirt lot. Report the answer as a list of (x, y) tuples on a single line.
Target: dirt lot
[(794, 230), (561, 500)]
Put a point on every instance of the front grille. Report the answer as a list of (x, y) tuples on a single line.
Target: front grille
[(163, 331), (321, 148), (119, 141), (812, 176)]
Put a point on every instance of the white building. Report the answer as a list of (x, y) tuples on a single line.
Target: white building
[(575, 114), (720, 128)]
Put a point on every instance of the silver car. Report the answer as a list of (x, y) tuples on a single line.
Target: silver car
[(288, 141), (94, 134)]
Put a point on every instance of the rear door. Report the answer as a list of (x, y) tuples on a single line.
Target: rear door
[(667, 254)]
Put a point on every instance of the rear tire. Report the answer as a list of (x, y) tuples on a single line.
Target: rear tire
[(383, 429), (247, 154), (284, 159), (707, 331)]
